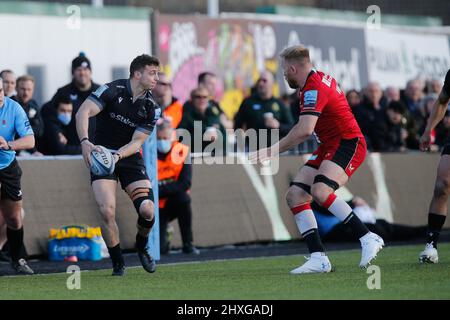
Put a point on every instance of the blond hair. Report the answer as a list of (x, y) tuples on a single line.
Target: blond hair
[(24, 78), (297, 53)]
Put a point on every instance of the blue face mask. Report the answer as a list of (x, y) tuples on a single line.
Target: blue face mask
[(65, 118), (164, 146)]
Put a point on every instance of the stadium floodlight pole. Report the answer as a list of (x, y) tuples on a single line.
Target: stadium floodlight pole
[(151, 162), (97, 3), (213, 8)]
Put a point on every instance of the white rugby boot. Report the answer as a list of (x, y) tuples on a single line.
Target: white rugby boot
[(429, 255), (317, 263), (371, 244)]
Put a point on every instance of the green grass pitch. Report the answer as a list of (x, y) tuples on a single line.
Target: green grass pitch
[(401, 277)]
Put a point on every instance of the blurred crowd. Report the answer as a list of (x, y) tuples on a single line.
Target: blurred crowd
[(391, 119)]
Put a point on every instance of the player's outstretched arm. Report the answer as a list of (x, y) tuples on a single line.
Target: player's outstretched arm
[(133, 146), (298, 134), (437, 114), (87, 110), (26, 142)]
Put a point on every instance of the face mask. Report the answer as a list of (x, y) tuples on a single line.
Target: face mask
[(65, 118), (164, 146)]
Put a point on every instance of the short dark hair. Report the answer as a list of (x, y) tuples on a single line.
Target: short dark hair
[(63, 99), (140, 62), (397, 107), (202, 76)]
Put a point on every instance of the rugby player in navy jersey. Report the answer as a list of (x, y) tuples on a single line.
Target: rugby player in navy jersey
[(439, 203), (126, 114)]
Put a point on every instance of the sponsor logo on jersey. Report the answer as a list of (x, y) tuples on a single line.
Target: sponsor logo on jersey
[(73, 97), (256, 107), (100, 90), (310, 99), (122, 119), (275, 107)]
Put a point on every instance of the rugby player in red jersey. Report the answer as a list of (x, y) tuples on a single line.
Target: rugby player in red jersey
[(324, 111)]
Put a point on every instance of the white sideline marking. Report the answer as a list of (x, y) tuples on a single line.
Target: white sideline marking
[(269, 197), (383, 203)]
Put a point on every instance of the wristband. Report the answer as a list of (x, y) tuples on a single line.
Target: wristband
[(84, 139), (9, 145)]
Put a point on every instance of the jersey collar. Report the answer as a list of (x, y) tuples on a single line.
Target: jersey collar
[(128, 85), (310, 73)]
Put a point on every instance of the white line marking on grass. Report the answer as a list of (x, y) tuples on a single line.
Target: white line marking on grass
[(202, 261)]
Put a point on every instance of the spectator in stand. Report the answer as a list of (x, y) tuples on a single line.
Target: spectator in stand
[(25, 91), (369, 112), (390, 132), (392, 94), (171, 106), (413, 94), (56, 125), (422, 113), (9, 83), (208, 80), (209, 117), (174, 180), (353, 98), (263, 111), (434, 86), (77, 91)]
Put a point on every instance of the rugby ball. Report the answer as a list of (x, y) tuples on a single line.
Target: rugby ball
[(102, 162)]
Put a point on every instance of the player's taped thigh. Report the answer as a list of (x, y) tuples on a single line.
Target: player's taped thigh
[(140, 195), (323, 179), (302, 186)]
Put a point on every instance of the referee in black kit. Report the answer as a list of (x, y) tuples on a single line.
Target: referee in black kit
[(126, 114)]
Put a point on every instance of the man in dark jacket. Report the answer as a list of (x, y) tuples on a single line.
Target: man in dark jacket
[(391, 129), (56, 140), (77, 91), (25, 91), (263, 111)]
